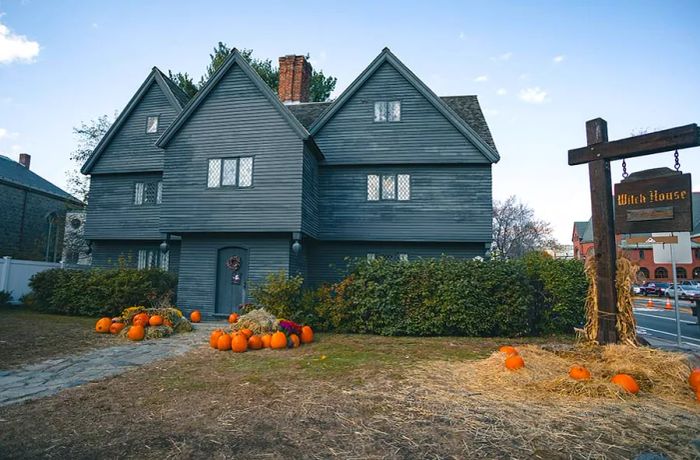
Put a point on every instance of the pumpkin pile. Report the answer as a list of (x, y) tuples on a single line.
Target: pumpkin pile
[(139, 323), (257, 330)]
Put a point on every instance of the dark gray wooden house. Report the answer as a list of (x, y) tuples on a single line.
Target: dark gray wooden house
[(239, 182)]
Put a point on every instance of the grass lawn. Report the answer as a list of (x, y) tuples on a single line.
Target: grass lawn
[(27, 336), (343, 396)]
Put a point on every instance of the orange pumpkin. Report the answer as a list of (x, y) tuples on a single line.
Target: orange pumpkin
[(196, 316), (307, 334), (116, 328), (266, 338), (255, 342), (295, 340), (246, 332), (214, 338), (224, 342), (103, 324), (155, 320), (626, 382), (278, 341), (239, 343), (694, 379), (579, 373), (136, 333), (515, 362), (508, 350), (141, 318), (232, 318)]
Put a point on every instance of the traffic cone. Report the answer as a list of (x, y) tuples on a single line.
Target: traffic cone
[(650, 303), (668, 304)]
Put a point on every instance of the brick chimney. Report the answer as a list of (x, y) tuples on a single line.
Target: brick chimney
[(25, 159), (295, 79)]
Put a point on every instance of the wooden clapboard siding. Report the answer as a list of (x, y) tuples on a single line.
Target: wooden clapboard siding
[(310, 195), (423, 135), (112, 253), (235, 120)]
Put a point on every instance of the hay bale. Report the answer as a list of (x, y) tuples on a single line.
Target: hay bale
[(259, 321)]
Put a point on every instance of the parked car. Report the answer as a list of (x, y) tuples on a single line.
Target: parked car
[(693, 283), (636, 289), (686, 292), (656, 288)]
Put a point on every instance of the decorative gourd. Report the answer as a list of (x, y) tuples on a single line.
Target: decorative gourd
[(232, 318), (255, 342), (224, 342), (116, 328), (102, 325), (136, 333), (155, 320), (196, 316), (247, 333), (278, 341), (214, 338), (626, 382), (515, 362), (694, 379), (239, 343), (508, 350), (295, 340), (307, 334), (266, 340), (579, 373)]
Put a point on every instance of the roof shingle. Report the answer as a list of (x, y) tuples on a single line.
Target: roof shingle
[(14, 173)]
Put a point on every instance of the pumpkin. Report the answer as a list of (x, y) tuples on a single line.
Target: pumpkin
[(579, 373), (232, 318), (266, 340), (214, 338), (239, 343), (136, 333), (295, 340), (307, 334), (223, 343), (155, 320), (139, 322), (515, 362), (255, 342), (247, 333), (694, 379), (196, 316), (626, 382), (102, 325), (278, 341), (116, 328), (141, 318), (508, 350)]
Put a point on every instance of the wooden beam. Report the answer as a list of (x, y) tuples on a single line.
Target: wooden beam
[(681, 137), (603, 234)]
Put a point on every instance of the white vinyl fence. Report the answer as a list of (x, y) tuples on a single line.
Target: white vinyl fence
[(15, 274)]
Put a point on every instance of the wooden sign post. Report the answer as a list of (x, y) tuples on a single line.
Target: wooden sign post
[(598, 154)]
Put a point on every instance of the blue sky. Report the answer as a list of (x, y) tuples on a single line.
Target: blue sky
[(540, 69)]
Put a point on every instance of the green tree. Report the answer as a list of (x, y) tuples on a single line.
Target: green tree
[(88, 135), (184, 81)]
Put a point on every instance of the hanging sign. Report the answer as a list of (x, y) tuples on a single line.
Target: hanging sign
[(655, 200)]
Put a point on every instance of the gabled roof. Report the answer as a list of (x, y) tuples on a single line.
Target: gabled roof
[(14, 173), (580, 228), (233, 58), (173, 93), (386, 56)]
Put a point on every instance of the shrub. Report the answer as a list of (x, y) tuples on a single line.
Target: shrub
[(97, 292), (279, 294), (5, 298)]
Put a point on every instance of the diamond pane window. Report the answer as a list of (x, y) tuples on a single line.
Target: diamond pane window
[(403, 257), (141, 264), (371, 256), (388, 188), (404, 187), (380, 111), (152, 125), (138, 193), (164, 260), (245, 178), (372, 187), (159, 195), (229, 175), (394, 111), (214, 178), (150, 192)]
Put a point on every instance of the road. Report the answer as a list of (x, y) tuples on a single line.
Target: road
[(660, 323)]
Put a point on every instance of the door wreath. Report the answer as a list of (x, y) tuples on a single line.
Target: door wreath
[(234, 264)]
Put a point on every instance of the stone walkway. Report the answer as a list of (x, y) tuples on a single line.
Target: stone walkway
[(51, 376)]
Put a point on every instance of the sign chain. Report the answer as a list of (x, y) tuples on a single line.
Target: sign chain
[(624, 169), (677, 165)]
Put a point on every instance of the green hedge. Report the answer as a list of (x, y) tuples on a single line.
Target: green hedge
[(97, 292), (532, 296)]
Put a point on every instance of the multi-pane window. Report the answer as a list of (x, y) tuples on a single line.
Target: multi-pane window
[(387, 111), (152, 258), (371, 256), (230, 172), (152, 124), (148, 193), (403, 257), (388, 187)]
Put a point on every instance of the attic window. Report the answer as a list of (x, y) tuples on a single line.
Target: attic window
[(152, 124), (387, 111)]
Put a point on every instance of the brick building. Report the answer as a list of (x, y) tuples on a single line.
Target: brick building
[(32, 212), (642, 254)]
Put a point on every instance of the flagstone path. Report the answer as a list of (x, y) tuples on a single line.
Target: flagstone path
[(51, 376)]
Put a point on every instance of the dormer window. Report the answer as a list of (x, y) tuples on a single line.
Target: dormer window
[(152, 124), (387, 111)]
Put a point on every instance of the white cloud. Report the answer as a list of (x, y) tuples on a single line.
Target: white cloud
[(16, 148), (95, 25), (534, 95), (481, 78), (461, 36), (503, 57), (5, 134), (15, 47), (558, 59), (502, 91)]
